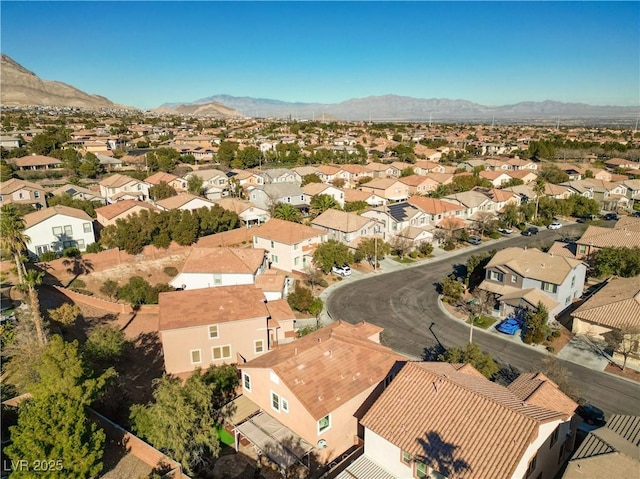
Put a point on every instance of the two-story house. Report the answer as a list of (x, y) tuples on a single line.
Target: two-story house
[(200, 328), (345, 227), (267, 196), (372, 199), (436, 209), (390, 189), (56, 228), (290, 245), (78, 192), (119, 187), (184, 201), (395, 217), (249, 214), (15, 191), (522, 277), (472, 201), (315, 385), (447, 421), (418, 184), (108, 215), (214, 182), (313, 189), (280, 175), (175, 182), (213, 267), (36, 162)]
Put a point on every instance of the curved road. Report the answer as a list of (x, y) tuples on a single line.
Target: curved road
[(405, 304)]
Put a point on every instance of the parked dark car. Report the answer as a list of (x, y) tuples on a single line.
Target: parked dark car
[(636, 214), (591, 414), (530, 231), (611, 217)]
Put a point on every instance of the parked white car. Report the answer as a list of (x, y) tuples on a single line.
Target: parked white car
[(554, 226), (343, 270)]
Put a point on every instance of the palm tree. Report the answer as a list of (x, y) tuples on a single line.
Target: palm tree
[(287, 212), (538, 189), (12, 238), (321, 203), (32, 279)]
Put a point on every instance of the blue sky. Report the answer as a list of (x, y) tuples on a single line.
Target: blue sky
[(494, 53)]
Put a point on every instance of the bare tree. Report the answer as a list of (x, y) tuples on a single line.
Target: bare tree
[(485, 221), (401, 244), (314, 276), (624, 341)]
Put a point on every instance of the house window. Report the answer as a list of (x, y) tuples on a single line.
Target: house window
[(275, 401), (532, 466), (573, 281), (255, 240), (196, 356), (406, 457), (272, 244), (514, 278), (217, 279), (36, 194), (246, 381), (324, 423), (296, 261), (221, 352), (213, 331), (80, 244), (554, 437), (496, 276), (421, 470), (288, 199), (567, 299), (139, 187), (42, 249), (258, 346), (68, 230), (57, 230), (582, 249), (86, 227), (549, 287), (284, 404), (274, 259)]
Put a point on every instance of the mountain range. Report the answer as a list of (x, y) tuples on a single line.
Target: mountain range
[(19, 86)]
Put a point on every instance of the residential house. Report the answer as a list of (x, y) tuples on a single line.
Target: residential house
[(559, 192), (418, 184), (56, 228), (214, 182), (633, 191), (622, 163), (498, 164), (328, 173), (395, 217), (424, 167), (267, 196), (79, 192), (353, 173), (436, 209), (614, 307), (175, 182), (108, 215), (290, 245), (280, 175), (526, 175), (378, 170), (201, 328), (10, 142), (496, 177), (282, 320), (315, 386), (609, 451), (313, 189), (15, 191), (184, 201), (249, 214), (520, 164), (372, 199), (275, 284), (388, 188), (575, 172), (396, 168), (445, 178), (627, 235), (214, 267), (306, 170), (109, 163), (119, 187), (523, 277), (345, 227), (500, 198), (473, 202), (440, 420), (36, 162), (610, 196)]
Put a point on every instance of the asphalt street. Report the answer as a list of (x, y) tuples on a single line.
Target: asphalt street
[(405, 304)]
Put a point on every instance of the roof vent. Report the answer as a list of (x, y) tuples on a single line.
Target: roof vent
[(322, 444)]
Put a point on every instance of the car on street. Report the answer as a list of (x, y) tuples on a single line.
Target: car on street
[(475, 240), (636, 214), (611, 217), (343, 270), (591, 414), (554, 226), (505, 231), (530, 231)]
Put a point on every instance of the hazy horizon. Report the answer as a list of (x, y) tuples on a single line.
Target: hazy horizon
[(144, 54)]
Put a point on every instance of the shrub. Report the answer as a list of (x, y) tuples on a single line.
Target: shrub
[(170, 271), (425, 248), (71, 252), (65, 314), (414, 254), (551, 349), (555, 333), (48, 256), (494, 235), (448, 245), (94, 248), (77, 284)]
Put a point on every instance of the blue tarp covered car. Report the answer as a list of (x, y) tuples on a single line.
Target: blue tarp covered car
[(509, 326)]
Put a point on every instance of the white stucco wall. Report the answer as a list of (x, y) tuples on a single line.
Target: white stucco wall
[(207, 280), (42, 234), (386, 454)]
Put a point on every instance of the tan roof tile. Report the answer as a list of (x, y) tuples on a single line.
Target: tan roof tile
[(197, 307), (119, 207), (36, 160), (181, 199), (533, 263), (36, 217), (599, 237), (340, 221), (279, 310), (539, 390), (433, 206), (615, 305), (117, 180), (160, 177), (286, 232)]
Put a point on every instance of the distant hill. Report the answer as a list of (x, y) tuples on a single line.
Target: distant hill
[(209, 109), (19, 86), (404, 108)]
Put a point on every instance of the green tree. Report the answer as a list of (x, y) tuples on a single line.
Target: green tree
[(407, 172), (356, 206), (161, 191), (105, 343), (56, 428), (538, 189), (138, 291), (371, 249), (90, 167), (452, 289), (195, 185), (225, 380), (180, 421), (33, 279), (12, 237), (620, 261), (65, 314), (321, 203), (510, 215), (227, 152), (310, 178), (535, 328), (473, 355), (287, 212), (66, 199), (6, 171), (330, 253), (552, 174), (300, 299)]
